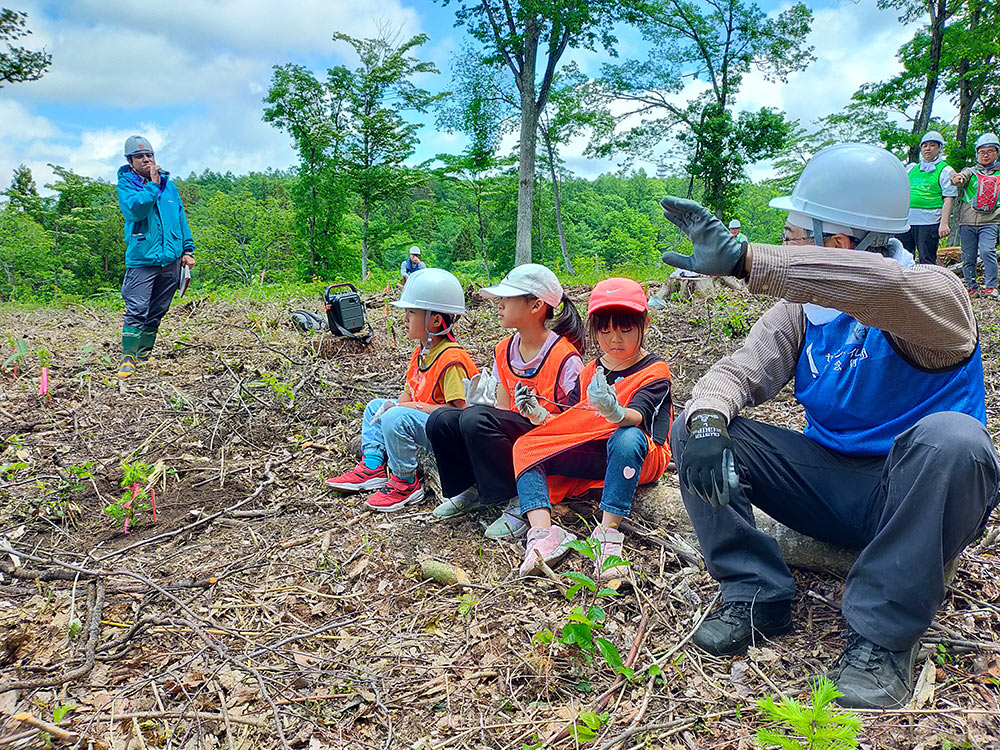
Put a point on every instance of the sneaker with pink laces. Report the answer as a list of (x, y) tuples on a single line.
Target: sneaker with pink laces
[(359, 478), (552, 544), (611, 541), (396, 495)]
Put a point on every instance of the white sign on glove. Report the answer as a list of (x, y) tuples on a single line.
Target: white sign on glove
[(604, 398)]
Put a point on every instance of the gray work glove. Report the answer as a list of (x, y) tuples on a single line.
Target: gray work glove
[(480, 389), (386, 405), (716, 251), (707, 467), (604, 398), (527, 404)]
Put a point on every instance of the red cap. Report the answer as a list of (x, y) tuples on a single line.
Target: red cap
[(617, 293)]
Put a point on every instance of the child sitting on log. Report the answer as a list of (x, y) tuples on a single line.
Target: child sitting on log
[(474, 446), (392, 429), (615, 438)]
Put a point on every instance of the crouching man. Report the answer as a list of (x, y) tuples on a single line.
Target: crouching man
[(894, 460), (158, 243)]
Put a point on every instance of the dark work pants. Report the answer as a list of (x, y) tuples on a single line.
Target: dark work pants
[(475, 446), (147, 292), (922, 240), (910, 513)]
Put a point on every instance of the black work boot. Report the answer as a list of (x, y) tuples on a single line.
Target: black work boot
[(870, 676), (730, 629)]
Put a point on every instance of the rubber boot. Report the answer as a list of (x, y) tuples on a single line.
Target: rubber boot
[(147, 338), (130, 345)]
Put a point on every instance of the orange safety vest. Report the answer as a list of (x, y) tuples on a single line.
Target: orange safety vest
[(425, 382), (546, 377), (581, 424)]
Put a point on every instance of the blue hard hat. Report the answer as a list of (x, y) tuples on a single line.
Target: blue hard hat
[(136, 144)]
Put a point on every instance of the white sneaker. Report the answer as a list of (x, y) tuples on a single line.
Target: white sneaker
[(463, 502), (510, 525)]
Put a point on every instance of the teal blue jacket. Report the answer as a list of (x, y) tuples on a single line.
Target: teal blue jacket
[(156, 228)]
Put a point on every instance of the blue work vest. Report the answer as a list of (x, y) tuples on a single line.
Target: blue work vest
[(860, 392)]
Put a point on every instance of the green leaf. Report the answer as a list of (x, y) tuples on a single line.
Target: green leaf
[(608, 592), (585, 581), (613, 561), (60, 712), (543, 637), (596, 614), (610, 653), (572, 590), (583, 548), (591, 720), (583, 733)]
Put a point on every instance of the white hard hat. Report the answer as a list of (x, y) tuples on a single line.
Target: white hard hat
[(414, 250), (434, 290), (932, 136), (735, 224), (529, 278), (852, 185), (987, 139)]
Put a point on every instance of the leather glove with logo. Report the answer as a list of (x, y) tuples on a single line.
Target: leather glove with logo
[(707, 467), (480, 389)]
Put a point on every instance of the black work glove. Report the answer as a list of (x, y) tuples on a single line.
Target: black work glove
[(707, 467), (716, 251)]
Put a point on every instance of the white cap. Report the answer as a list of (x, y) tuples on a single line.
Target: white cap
[(932, 136), (414, 250), (987, 139), (529, 278), (735, 224)]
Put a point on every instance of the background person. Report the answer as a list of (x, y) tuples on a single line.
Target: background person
[(931, 196), (979, 215), (157, 243), (736, 229), (412, 263)]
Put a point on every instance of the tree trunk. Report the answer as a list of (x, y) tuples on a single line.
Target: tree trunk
[(482, 231), (364, 241), (557, 203), (920, 125), (526, 162)]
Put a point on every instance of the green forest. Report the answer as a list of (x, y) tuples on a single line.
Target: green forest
[(355, 201)]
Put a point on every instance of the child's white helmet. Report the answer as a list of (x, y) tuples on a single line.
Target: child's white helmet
[(433, 290)]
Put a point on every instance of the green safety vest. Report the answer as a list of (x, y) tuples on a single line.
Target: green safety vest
[(925, 187)]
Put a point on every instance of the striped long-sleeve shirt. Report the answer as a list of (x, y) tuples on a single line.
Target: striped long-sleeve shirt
[(925, 309)]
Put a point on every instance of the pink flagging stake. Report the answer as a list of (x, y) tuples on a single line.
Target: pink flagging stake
[(152, 501), (15, 362), (43, 382)]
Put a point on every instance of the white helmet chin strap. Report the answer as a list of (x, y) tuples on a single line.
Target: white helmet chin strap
[(426, 347)]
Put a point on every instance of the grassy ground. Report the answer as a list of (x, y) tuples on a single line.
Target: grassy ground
[(260, 610)]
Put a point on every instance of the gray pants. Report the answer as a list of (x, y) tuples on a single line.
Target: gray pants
[(147, 292), (910, 513), (979, 241)]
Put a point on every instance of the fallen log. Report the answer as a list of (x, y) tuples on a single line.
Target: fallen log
[(661, 505)]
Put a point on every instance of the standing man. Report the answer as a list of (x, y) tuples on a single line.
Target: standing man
[(979, 215), (895, 459), (736, 229), (412, 263), (931, 197), (158, 243)]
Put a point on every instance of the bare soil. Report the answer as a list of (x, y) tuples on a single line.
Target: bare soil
[(261, 610)]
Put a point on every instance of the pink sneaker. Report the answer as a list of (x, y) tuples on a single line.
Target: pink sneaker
[(990, 292), (550, 543), (396, 495), (611, 544), (359, 478)]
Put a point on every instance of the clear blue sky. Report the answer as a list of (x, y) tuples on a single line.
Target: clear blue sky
[(191, 76)]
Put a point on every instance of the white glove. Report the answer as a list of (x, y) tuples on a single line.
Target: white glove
[(527, 404), (480, 389), (604, 398), (386, 405)]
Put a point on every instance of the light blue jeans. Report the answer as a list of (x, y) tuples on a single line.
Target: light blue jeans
[(396, 436), (979, 240)]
